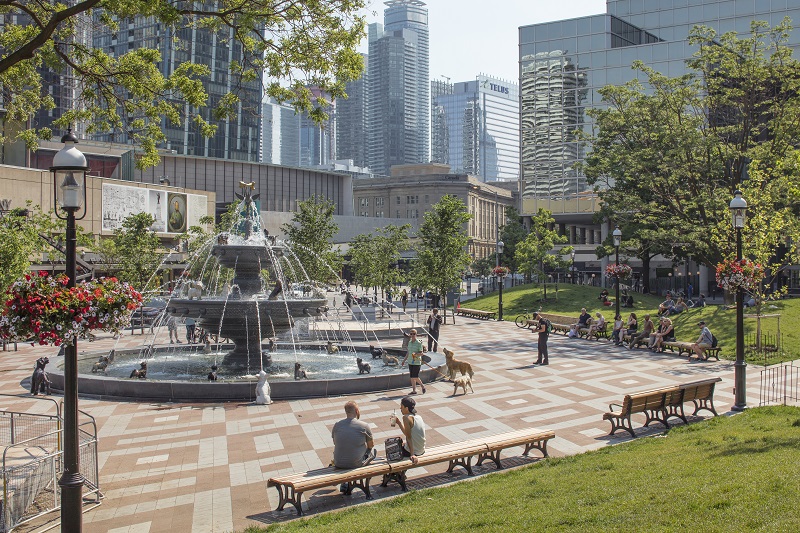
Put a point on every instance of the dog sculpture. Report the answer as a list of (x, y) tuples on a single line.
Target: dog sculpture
[(463, 382), (101, 364), (377, 353), (212, 376), (389, 360), (195, 290), (332, 348), (140, 372), (271, 345), (454, 365), (299, 373), (262, 390), (363, 368), (207, 346), (39, 380)]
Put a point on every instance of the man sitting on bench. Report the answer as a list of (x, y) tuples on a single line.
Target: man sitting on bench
[(352, 442), (583, 322)]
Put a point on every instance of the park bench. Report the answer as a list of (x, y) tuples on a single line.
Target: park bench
[(584, 332), (475, 313), (559, 323), (686, 348), (662, 404), (292, 486)]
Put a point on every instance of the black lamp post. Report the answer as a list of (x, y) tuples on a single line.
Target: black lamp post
[(572, 265), (617, 241), (69, 193), (500, 246), (738, 207)]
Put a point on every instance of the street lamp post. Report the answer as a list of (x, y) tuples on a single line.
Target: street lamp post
[(500, 246), (572, 265), (738, 207), (69, 193), (617, 241)]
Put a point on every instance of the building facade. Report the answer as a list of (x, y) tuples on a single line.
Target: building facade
[(351, 120), (280, 135), (398, 91), (475, 127), (237, 137), (562, 65), (412, 190)]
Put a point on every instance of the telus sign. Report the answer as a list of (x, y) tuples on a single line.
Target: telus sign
[(498, 88)]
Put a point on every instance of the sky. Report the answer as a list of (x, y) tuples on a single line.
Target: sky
[(469, 37)]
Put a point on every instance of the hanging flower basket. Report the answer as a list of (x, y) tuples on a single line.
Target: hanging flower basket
[(745, 274), (41, 306), (500, 271), (619, 271)]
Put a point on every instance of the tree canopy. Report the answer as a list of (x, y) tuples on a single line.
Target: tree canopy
[(374, 257), (134, 251), (534, 254), (668, 153), (294, 44), (311, 234)]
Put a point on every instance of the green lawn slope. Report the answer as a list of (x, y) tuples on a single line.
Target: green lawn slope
[(570, 298), (726, 474)]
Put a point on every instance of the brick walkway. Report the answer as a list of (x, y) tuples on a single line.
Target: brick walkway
[(203, 467)]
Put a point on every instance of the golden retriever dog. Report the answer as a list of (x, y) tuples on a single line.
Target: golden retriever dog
[(463, 382), (454, 365)]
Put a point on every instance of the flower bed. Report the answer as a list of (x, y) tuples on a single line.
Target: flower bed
[(734, 274), (41, 306), (620, 271)]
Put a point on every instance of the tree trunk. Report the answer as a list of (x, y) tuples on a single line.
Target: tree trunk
[(646, 275)]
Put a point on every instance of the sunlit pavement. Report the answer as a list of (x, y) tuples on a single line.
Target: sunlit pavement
[(204, 467)]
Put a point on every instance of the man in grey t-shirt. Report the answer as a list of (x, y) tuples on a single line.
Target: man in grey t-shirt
[(352, 441)]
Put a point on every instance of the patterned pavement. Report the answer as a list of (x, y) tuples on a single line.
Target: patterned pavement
[(204, 467)]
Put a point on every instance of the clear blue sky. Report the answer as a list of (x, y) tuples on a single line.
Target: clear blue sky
[(473, 36)]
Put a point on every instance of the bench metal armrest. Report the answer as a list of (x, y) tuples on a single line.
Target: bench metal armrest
[(612, 405)]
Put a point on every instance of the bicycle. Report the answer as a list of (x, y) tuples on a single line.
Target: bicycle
[(522, 321)]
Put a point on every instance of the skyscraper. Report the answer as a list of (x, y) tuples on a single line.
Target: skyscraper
[(564, 63), (236, 137), (398, 111), (475, 127), (280, 135), (351, 120)]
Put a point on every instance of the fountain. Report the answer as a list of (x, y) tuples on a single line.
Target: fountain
[(247, 315)]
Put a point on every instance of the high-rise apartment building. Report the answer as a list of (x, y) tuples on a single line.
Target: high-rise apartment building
[(398, 110), (280, 135), (564, 63), (475, 127), (351, 120), (237, 137)]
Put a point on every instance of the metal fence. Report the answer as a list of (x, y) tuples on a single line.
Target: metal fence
[(32, 463), (779, 385)]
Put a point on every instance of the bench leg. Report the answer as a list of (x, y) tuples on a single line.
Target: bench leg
[(465, 462), (656, 415), (540, 445), (621, 423), (704, 403), (362, 484), (287, 494), (677, 410), (494, 456), (399, 477)]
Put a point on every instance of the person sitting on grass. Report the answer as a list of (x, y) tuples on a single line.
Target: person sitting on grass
[(596, 327), (667, 333), (603, 296), (679, 307), (704, 342), (645, 334), (583, 321), (664, 306)]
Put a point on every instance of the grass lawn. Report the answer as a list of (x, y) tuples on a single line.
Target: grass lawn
[(725, 474), (721, 321)]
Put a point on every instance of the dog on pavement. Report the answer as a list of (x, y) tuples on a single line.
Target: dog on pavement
[(454, 365), (463, 382), (363, 368)]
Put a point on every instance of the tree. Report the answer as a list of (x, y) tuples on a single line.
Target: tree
[(668, 155), (512, 233), (311, 235), (534, 253), (134, 249), (294, 45), (441, 250), (374, 257)]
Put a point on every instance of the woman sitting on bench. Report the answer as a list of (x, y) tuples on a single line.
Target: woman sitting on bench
[(667, 333), (596, 327)]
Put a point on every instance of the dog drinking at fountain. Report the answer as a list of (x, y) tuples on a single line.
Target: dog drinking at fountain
[(454, 365)]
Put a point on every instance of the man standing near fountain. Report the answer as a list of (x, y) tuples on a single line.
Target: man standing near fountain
[(352, 442), (415, 353), (434, 321)]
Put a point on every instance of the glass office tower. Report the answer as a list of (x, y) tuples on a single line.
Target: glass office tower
[(563, 64), (475, 127), (351, 120)]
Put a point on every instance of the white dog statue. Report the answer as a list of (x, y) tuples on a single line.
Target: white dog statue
[(262, 390), (195, 290)]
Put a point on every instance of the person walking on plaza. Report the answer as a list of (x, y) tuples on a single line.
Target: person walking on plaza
[(413, 428), (414, 352), (543, 330), (172, 327), (352, 441), (404, 299), (190, 327), (434, 321)]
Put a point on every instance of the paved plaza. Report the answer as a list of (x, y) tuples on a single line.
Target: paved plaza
[(204, 467)]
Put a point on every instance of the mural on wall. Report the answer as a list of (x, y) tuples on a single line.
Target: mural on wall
[(173, 212)]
